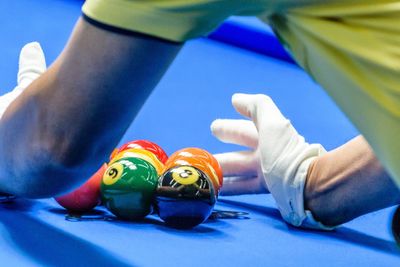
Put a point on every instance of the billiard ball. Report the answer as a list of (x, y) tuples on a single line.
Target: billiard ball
[(197, 162), (184, 197), (142, 154), (86, 197), (191, 152), (146, 145), (128, 188)]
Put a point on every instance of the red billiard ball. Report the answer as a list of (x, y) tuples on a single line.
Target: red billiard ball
[(85, 197), (143, 144)]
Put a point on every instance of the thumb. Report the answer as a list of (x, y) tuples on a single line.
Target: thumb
[(32, 64), (257, 107)]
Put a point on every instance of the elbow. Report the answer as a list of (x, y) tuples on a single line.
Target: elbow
[(49, 172)]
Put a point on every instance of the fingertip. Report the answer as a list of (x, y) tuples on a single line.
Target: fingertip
[(32, 63), (32, 55), (241, 103), (215, 125), (31, 48), (34, 45), (236, 97), (219, 157)]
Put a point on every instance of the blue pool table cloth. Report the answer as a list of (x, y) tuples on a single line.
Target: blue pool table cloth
[(195, 91)]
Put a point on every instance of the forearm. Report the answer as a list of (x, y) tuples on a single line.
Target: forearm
[(348, 182), (66, 123)]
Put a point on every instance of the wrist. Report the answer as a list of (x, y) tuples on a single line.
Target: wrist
[(346, 183), (289, 191), (316, 197)]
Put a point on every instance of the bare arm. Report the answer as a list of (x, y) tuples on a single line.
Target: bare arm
[(66, 123), (348, 182)]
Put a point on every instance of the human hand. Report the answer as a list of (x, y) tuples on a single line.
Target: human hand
[(278, 161), (31, 65)]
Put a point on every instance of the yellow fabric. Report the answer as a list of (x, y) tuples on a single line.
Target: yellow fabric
[(178, 20), (350, 47), (353, 51)]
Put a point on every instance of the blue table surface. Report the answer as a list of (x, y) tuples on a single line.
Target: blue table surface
[(195, 91)]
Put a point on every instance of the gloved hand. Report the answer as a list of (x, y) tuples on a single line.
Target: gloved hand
[(278, 161), (31, 65)]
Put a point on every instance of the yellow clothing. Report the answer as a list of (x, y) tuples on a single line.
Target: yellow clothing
[(350, 47)]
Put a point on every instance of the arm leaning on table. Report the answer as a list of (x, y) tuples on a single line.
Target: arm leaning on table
[(60, 129)]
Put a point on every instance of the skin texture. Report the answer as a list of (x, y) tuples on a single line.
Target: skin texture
[(348, 182), (66, 123)]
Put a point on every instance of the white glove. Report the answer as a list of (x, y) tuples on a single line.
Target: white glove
[(278, 162), (31, 65)]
